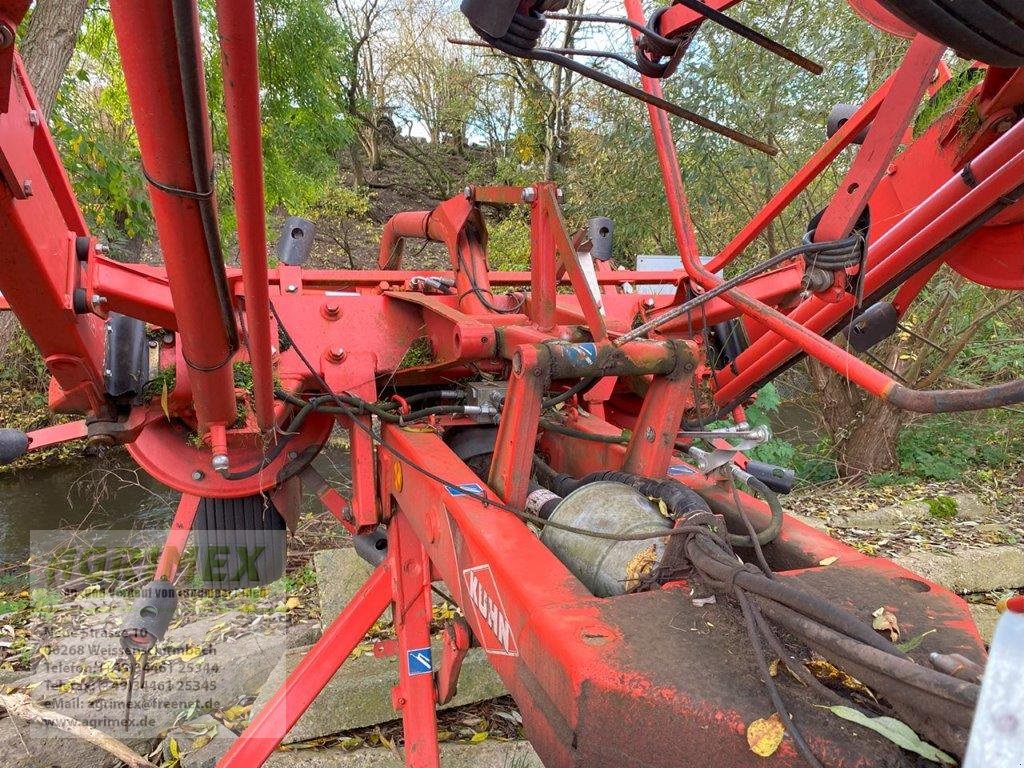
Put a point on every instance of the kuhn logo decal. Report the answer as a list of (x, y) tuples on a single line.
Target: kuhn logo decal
[(483, 594)]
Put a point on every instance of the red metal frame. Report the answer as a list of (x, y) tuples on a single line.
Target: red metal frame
[(579, 667)]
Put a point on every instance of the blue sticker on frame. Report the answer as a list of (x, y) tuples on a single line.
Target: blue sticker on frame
[(420, 661)]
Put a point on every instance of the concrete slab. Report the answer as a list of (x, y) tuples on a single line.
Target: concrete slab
[(359, 695)]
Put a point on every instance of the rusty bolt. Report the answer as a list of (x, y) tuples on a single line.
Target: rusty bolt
[(33, 117), (26, 187), (331, 310), (335, 354)]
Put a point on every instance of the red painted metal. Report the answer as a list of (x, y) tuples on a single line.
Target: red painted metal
[(145, 35), (177, 537), (309, 677), (236, 25), (582, 669)]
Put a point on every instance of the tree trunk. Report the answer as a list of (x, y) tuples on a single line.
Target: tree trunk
[(870, 443), (48, 45)]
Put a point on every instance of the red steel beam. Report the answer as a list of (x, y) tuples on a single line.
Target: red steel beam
[(149, 56), (311, 675), (996, 171), (236, 23)]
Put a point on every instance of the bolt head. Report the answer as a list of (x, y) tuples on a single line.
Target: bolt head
[(220, 463), (650, 434), (26, 187), (102, 249), (649, 303), (292, 455), (529, 195), (468, 192), (198, 475), (1003, 125), (292, 288), (33, 118)]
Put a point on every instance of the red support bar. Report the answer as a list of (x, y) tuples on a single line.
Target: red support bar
[(318, 666), (883, 140), (149, 54), (177, 538), (414, 696), (236, 23), (544, 272)]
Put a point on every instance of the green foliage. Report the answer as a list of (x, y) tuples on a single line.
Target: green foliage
[(508, 245), (947, 97), (942, 507), (944, 447), (92, 126)]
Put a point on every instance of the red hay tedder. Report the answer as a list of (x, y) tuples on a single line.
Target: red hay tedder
[(520, 459)]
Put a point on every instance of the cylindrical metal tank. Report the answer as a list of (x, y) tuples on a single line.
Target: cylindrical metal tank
[(607, 567)]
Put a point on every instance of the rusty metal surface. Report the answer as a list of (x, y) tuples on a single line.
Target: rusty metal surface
[(687, 689)]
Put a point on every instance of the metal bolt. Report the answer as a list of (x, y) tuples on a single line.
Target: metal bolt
[(153, 345), (292, 455), (468, 192), (98, 301), (220, 463), (292, 288), (649, 303), (336, 354), (559, 194), (650, 434), (198, 475), (107, 372), (26, 187), (33, 118), (168, 338), (1003, 125), (331, 310), (529, 195), (102, 249)]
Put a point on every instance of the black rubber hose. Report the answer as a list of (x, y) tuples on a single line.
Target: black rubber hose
[(806, 603), (769, 534), (185, 20), (951, 689)]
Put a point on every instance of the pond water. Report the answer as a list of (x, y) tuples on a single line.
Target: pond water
[(110, 493)]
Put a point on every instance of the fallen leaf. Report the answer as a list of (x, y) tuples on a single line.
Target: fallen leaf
[(192, 652), (351, 743), (885, 621), (828, 672), (914, 642), (773, 668), (765, 735), (899, 733), (829, 560), (237, 712), (476, 738), (292, 603)]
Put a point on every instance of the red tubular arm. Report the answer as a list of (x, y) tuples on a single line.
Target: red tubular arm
[(236, 22), (149, 52), (847, 365)]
